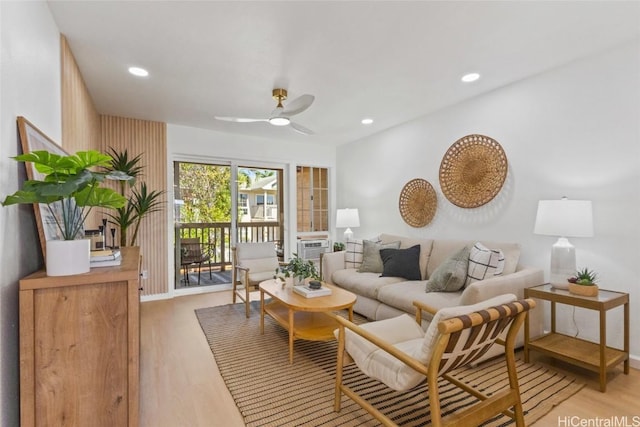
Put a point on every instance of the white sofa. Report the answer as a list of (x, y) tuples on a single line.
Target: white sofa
[(385, 297)]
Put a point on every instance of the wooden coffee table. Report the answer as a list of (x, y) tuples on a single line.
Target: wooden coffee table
[(304, 318)]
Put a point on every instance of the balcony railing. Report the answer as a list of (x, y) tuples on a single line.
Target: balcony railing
[(216, 237)]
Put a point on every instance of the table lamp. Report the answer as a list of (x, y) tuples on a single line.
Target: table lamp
[(564, 218), (347, 218)]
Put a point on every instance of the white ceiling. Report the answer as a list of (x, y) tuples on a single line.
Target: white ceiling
[(392, 61)]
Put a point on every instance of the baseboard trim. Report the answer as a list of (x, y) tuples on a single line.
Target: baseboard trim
[(634, 361)]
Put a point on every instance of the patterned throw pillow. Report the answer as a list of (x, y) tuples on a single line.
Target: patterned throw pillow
[(353, 253), (484, 263), (354, 250)]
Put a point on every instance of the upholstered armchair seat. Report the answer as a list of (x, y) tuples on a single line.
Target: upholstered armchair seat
[(252, 263)]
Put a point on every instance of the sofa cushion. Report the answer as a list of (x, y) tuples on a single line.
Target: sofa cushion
[(401, 296), (443, 249), (371, 261), (450, 276), (365, 284), (484, 263), (403, 263)]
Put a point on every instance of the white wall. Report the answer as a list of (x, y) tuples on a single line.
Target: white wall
[(29, 87), (192, 144), (572, 131)]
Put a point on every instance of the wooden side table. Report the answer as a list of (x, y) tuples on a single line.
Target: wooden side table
[(596, 357)]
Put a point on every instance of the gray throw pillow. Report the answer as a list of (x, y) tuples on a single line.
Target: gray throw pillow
[(451, 274), (371, 260)]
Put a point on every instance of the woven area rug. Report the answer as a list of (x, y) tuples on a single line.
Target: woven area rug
[(270, 391)]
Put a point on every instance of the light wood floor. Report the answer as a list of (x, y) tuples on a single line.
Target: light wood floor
[(181, 385)]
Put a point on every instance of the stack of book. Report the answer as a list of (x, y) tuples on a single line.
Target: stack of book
[(308, 292), (105, 258)]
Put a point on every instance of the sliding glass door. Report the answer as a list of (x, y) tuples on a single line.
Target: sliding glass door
[(260, 206), (213, 211)]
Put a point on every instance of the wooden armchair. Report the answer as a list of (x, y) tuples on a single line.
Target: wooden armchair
[(400, 354), (252, 264)]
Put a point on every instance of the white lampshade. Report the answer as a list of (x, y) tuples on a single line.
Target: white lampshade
[(347, 218), (564, 218)]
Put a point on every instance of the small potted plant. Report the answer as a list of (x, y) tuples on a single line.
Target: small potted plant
[(338, 246), (69, 190), (584, 283), (299, 269)]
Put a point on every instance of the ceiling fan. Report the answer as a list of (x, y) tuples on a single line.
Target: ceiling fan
[(281, 116)]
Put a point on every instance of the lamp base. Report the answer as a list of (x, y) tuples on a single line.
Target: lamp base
[(563, 263), (348, 234)]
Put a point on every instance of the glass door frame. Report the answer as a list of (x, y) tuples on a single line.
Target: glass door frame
[(234, 164)]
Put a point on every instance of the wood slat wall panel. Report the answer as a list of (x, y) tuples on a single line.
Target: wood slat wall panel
[(80, 120), (83, 128), (149, 139)]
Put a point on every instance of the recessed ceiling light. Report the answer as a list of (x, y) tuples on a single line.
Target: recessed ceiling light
[(367, 121), (471, 77), (137, 71)]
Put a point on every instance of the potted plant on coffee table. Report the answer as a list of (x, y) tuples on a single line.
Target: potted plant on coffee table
[(300, 269), (70, 190)]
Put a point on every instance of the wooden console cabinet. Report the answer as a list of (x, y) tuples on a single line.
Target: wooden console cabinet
[(80, 347)]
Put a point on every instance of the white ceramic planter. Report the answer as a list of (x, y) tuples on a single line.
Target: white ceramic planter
[(68, 257)]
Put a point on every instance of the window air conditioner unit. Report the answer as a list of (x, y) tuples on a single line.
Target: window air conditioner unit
[(311, 249)]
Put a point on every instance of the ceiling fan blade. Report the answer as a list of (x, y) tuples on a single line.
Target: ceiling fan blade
[(298, 105), (301, 129), (239, 119)]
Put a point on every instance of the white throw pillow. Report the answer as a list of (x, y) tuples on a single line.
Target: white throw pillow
[(353, 253), (484, 263)]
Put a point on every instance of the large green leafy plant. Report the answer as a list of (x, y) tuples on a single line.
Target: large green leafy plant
[(69, 188), (141, 201)]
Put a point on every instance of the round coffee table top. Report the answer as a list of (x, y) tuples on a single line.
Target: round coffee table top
[(338, 300)]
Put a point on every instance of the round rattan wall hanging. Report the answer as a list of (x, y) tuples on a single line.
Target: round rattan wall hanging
[(473, 171), (418, 202)]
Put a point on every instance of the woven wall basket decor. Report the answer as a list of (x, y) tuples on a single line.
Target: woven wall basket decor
[(418, 202), (473, 171)]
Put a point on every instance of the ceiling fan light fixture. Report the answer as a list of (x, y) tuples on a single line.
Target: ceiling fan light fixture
[(471, 77), (279, 121), (139, 72)]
